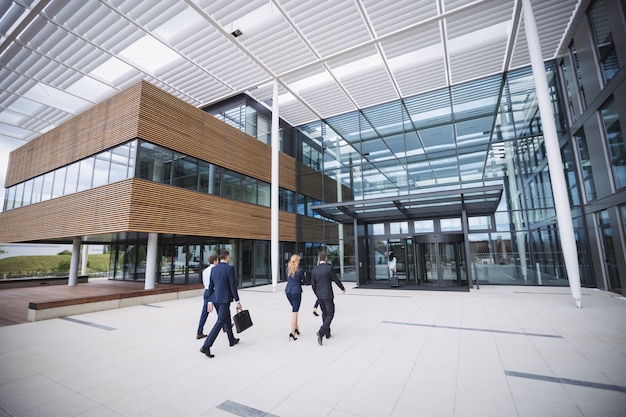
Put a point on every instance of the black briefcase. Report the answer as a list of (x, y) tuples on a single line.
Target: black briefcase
[(242, 320)]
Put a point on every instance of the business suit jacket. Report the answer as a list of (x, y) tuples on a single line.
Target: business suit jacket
[(223, 285), (294, 284), (322, 277)]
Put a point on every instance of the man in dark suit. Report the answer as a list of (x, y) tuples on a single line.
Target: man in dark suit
[(222, 291), (322, 277)]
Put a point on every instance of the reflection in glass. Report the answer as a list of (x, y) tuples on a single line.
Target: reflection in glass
[(615, 140), (85, 174), (101, 169)]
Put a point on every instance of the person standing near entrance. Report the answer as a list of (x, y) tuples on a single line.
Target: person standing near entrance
[(222, 291), (322, 277), (391, 264), (206, 279)]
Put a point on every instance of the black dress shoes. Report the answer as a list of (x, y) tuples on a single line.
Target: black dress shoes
[(200, 336), (320, 337), (234, 342), (207, 352)]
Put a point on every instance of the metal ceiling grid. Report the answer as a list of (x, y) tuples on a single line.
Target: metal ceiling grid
[(67, 41)]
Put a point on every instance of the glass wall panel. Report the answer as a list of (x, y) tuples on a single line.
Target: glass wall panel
[(424, 226), (101, 169), (479, 222), (249, 190), (59, 182), (265, 195), (48, 183), (585, 165), (85, 174), (27, 193), (155, 163), (451, 225), (122, 163), (185, 172), (37, 185), (399, 228), (607, 55), (231, 185), (615, 139), (71, 178), (608, 246)]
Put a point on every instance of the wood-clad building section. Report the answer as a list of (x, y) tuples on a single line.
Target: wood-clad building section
[(135, 205)]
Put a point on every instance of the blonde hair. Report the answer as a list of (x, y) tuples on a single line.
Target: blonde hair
[(293, 265)]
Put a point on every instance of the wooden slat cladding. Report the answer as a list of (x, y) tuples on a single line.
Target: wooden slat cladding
[(145, 111), (165, 209), (136, 205), (171, 122), (99, 210), (105, 125)]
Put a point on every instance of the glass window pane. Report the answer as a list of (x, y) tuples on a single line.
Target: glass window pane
[(585, 162), (479, 223), (376, 229), (605, 45), (155, 163), (19, 194), (37, 184), (249, 190), (101, 168), (450, 225), (185, 172), (424, 226), (28, 192), (264, 195), (10, 199), (615, 139), (399, 228), (46, 189), (120, 164), (85, 174), (59, 182), (231, 185), (71, 178)]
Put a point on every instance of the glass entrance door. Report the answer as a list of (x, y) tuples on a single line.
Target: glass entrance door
[(440, 260)]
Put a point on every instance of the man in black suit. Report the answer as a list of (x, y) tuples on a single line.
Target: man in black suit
[(322, 277), (222, 291)]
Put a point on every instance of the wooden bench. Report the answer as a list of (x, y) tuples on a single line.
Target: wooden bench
[(68, 307)]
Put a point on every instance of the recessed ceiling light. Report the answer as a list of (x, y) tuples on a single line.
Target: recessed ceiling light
[(237, 33)]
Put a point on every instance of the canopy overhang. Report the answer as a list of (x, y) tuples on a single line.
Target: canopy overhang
[(475, 201)]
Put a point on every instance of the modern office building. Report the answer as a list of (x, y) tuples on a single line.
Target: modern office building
[(419, 128)]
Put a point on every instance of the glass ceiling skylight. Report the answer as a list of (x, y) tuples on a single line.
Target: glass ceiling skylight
[(149, 54)]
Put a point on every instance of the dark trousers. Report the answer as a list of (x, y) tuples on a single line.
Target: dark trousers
[(205, 313), (223, 322), (328, 312)]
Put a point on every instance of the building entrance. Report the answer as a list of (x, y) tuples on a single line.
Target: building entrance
[(440, 260), (434, 261)]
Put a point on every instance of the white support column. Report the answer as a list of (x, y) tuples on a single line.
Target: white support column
[(555, 162), (151, 260), (275, 257), (84, 259), (74, 260)]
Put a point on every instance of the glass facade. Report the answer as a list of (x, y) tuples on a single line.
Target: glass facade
[(450, 144)]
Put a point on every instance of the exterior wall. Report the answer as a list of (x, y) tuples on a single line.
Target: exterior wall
[(586, 117), (110, 123), (136, 205)]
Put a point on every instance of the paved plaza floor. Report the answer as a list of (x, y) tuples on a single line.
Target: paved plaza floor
[(497, 351)]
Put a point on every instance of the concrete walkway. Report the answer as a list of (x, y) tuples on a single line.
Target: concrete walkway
[(497, 351)]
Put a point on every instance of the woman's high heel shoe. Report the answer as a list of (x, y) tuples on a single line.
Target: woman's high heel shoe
[(297, 332), (291, 336)]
